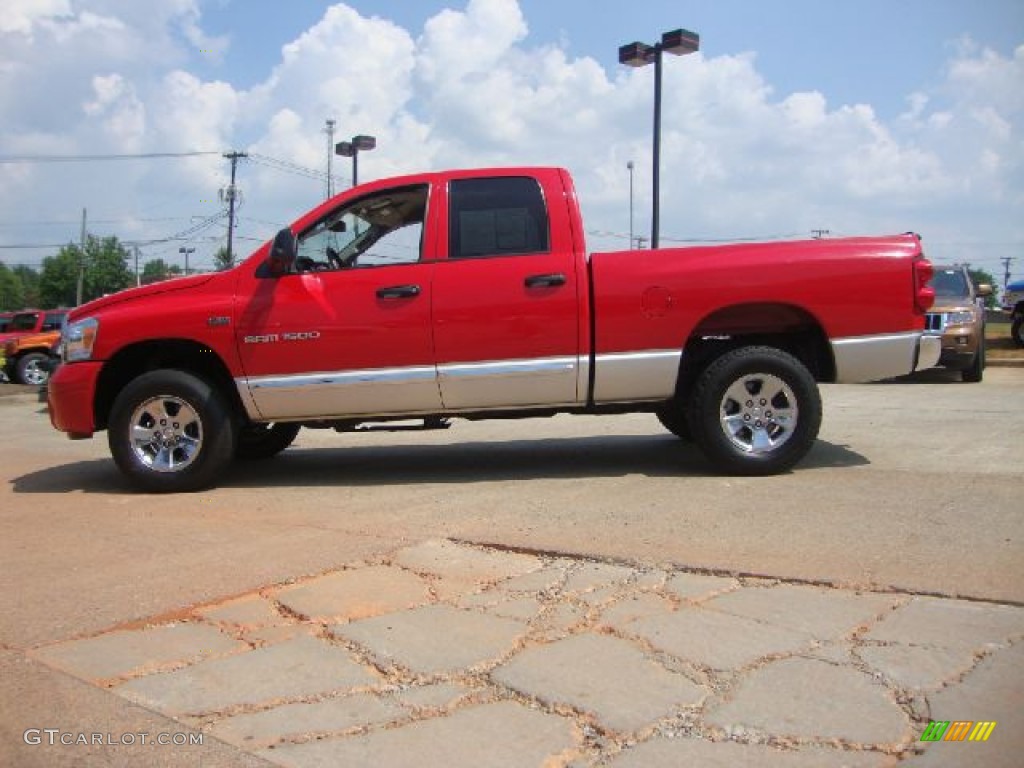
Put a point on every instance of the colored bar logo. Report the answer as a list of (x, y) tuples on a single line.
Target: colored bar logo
[(958, 730)]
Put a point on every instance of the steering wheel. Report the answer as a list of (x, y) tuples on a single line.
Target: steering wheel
[(332, 257)]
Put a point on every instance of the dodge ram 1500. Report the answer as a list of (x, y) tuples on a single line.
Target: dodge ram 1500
[(471, 294)]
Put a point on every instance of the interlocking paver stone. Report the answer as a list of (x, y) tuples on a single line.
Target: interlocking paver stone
[(595, 575), (636, 607), (123, 652), (455, 655), (606, 676), (500, 735), (460, 567), (993, 691), (356, 594), (824, 613), (305, 666), (916, 666), (248, 611), (717, 640), (301, 719), (435, 696), (673, 753), (809, 698), (951, 624), (436, 638), (697, 586)]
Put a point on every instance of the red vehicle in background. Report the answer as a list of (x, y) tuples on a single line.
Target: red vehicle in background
[(471, 294)]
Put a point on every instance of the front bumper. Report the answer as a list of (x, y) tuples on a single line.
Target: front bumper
[(71, 395)]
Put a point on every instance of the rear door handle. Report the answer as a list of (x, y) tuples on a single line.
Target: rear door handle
[(398, 292), (547, 281)]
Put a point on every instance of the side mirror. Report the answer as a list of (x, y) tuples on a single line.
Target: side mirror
[(984, 289), (282, 252)]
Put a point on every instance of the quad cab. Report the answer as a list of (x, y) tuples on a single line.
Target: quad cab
[(471, 294)]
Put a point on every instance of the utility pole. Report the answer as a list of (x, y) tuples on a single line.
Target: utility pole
[(81, 263), (138, 276), (1007, 261), (330, 158), (230, 195)]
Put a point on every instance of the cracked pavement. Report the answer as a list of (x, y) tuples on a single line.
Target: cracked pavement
[(458, 654)]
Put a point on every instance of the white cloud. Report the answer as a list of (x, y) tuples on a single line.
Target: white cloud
[(471, 89), (21, 15)]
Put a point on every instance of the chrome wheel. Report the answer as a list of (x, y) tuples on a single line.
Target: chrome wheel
[(35, 371), (166, 434), (758, 413)]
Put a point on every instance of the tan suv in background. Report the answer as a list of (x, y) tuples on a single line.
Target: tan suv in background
[(959, 318)]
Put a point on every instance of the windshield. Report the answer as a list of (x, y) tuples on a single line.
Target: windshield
[(26, 321), (951, 284)]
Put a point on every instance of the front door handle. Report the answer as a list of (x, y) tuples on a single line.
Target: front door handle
[(398, 292), (546, 281)]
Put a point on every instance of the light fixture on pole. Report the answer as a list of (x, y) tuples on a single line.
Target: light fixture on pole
[(186, 252), (352, 149), (678, 42)]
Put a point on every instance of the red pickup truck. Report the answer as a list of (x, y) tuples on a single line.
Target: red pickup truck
[(471, 294)]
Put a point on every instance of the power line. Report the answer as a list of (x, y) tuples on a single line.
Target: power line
[(11, 159)]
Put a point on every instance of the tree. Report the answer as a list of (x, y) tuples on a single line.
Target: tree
[(156, 270), (979, 276), (29, 285), (106, 271), (221, 260), (12, 293)]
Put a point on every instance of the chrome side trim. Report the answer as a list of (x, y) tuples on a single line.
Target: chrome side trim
[(509, 383), (633, 376), (870, 358), (344, 378), (346, 393)]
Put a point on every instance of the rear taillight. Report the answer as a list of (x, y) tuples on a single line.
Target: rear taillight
[(924, 294)]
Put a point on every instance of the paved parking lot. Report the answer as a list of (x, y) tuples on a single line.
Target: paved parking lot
[(576, 590)]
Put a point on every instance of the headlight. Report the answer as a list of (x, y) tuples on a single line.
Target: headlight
[(77, 339), (965, 317)]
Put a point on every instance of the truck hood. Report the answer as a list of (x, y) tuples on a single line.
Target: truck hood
[(145, 291)]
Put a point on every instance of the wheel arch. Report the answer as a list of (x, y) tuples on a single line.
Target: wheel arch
[(154, 354), (771, 324)]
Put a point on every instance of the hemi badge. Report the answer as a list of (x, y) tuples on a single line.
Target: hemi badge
[(213, 322)]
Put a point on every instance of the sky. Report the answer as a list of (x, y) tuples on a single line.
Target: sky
[(868, 117)]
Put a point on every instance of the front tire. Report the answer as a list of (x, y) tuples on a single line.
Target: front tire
[(976, 371), (1017, 330), (32, 369), (673, 418), (755, 411), (170, 432), (263, 441)]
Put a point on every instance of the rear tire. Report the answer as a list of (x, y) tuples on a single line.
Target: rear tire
[(264, 441), (1017, 330), (755, 411), (170, 432)]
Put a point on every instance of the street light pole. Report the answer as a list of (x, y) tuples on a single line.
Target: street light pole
[(678, 42), (360, 143), (629, 165), (186, 252)]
